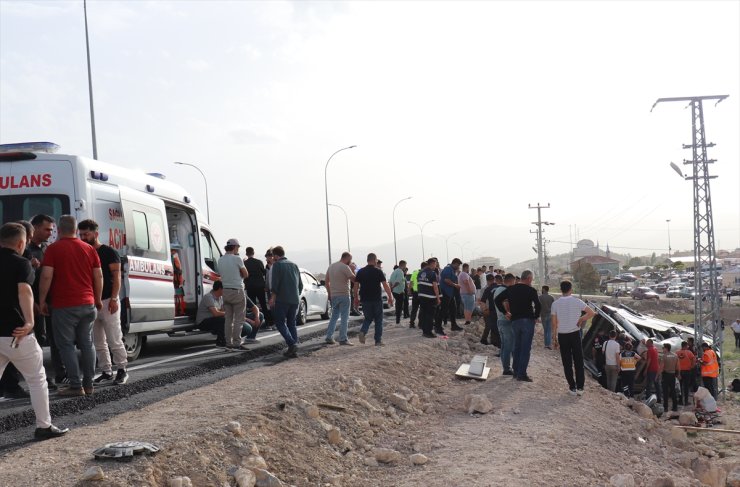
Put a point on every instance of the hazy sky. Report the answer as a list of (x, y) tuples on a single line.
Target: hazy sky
[(475, 109)]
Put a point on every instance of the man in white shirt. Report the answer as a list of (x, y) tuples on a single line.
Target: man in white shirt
[(611, 355), (569, 315), (233, 272), (736, 330)]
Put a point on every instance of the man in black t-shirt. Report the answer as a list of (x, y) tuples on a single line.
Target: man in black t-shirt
[(369, 279), (18, 345), (107, 332), (255, 283)]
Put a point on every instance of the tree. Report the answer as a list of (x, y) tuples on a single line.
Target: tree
[(586, 276), (679, 266), (635, 262), (652, 259), (625, 267)]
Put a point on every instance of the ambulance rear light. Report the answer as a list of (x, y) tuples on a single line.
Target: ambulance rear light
[(16, 156), (48, 147)]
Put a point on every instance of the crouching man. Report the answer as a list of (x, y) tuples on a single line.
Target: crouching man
[(211, 317), (18, 345)]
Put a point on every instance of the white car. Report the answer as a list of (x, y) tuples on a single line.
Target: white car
[(314, 299)]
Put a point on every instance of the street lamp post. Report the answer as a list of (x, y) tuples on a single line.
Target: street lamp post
[(346, 221), (668, 222), (89, 86), (421, 231), (395, 249), (462, 249), (326, 198), (447, 247), (205, 181)]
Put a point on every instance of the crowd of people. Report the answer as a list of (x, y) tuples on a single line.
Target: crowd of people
[(65, 294)]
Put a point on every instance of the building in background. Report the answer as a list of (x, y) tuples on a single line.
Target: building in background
[(494, 262), (602, 264)]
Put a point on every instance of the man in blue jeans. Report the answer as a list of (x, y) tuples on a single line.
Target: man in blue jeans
[(285, 288), (369, 280), (504, 324), (522, 306), (339, 278)]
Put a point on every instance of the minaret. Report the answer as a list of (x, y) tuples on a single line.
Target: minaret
[(608, 252)]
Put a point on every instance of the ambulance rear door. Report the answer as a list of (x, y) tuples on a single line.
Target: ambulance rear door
[(148, 267)]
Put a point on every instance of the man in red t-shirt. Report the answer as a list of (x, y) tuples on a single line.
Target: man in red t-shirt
[(71, 273), (652, 367)]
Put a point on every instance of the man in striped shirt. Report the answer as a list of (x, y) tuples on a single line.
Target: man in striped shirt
[(429, 299)]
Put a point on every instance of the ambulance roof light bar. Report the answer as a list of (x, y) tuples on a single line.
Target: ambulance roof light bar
[(48, 147)]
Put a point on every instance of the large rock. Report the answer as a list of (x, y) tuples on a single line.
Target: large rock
[(254, 461), (708, 472), (334, 436), (687, 418), (180, 482), (93, 473), (245, 478), (622, 479), (733, 478), (643, 410), (666, 481), (418, 459), (386, 455), (312, 411), (266, 479), (400, 402), (234, 427), (477, 403)]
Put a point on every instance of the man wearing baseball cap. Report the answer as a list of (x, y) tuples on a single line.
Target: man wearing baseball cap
[(233, 272)]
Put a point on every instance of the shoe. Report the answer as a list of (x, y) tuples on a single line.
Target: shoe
[(398, 322), (484, 342), (579, 392), (548, 348), (508, 372), (104, 377), (52, 431), (291, 352), (525, 378), (361, 337), (467, 322), (330, 341), (121, 377), (71, 392), (63, 380), (429, 335), (572, 392), (456, 328), (51, 385), (251, 341), (88, 390), (379, 344), (220, 344), (347, 342), (498, 354), (18, 393), (411, 325), (440, 331)]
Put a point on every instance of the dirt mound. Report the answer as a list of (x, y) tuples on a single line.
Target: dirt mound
[(370, 416)]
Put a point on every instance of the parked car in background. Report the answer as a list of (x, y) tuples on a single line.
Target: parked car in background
[(674, 292), (644, 293), (628, 276), (314, 299), (688, 293), (661, 288)]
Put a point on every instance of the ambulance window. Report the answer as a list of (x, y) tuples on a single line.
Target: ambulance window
[(141, 230), (209, 250), (46, 205)]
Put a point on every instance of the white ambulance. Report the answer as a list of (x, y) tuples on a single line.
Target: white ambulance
[(168, 253)]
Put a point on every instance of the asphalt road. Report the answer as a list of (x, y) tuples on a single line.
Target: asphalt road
[(166, 366)]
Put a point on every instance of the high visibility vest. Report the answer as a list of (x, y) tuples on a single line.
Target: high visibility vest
[(709, 366), (628, 362), (415, 280)]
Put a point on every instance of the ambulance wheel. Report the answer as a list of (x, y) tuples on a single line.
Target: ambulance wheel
[(134, 343)]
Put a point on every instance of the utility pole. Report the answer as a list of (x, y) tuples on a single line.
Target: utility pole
[(540, 255), (89, 86), (705, 262), (547, 271)]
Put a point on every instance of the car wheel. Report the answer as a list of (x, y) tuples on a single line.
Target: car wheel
[(302, 313), (327, 314), (133, 342)]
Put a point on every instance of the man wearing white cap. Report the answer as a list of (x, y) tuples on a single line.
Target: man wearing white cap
[(233, 272)]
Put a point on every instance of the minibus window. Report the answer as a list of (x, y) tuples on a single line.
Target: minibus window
[(141, 230)]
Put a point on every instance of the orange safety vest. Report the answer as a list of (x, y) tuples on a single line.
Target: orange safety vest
[(628, 363), (709, 366)]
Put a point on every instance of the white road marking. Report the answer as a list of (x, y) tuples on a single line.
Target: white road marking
[(214, 350)]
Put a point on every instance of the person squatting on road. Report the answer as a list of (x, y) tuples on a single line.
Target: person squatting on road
[(369, 281), (339, 279), (286, 287), (107, 333), (211, 317), (233, 272), (569, 315), (522, 306), (71, 272), (18, 344)]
